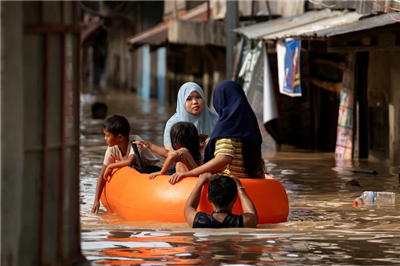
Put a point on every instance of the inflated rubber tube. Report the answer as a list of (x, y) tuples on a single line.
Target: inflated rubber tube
[(134, 197)]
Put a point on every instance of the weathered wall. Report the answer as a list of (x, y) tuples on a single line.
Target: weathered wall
[(287, 8), (204, 65), (362, 7), (284, 8), (197, 32), (39, 134), (12, 153), (384, 105), (169, 6), (118, 56)]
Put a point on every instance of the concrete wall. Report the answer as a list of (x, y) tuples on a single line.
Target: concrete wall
[(118, 66), (200, 64), (169, 6), (285, 8), (198, 33), (12, 153), (384, 105), (362, 7)]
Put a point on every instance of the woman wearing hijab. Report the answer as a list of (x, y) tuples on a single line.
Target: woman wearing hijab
[(191, 108), (235, 144)]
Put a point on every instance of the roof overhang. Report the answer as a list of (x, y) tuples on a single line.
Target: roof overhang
[(158, 35)]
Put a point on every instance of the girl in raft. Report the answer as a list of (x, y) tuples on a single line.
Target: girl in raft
[(234, 147), (186, 149)]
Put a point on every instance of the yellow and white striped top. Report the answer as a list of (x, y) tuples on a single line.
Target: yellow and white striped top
[(231, 147)]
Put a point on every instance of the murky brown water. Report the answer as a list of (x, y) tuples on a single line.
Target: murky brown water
[(323, 228)]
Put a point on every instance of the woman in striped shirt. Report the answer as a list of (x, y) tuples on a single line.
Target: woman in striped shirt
[(234, 147)]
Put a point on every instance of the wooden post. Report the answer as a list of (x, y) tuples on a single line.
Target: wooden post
[(208, 10), (175, 10), (361, 110)]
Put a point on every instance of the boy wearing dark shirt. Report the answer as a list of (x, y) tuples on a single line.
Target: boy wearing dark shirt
[(222, 193)]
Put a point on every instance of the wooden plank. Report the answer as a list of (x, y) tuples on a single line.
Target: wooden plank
[(361, 87), (348, 49), (358, 35), (51, 28)]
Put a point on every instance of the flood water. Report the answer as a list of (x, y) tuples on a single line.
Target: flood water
[(322, 229)]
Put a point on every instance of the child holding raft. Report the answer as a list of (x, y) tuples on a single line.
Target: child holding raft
[(186, 149), (120, 153), (234, 147)]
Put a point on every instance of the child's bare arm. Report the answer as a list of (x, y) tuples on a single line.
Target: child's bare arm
[(192, 203), (128, 161), (187, 158), (250, 216), (173, 156), (99, 189), (154, 148)]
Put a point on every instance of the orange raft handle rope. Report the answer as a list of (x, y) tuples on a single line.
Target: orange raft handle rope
[(134, 197)]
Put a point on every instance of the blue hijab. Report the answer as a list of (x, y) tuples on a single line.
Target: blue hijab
[(236, 118), (205, 122)]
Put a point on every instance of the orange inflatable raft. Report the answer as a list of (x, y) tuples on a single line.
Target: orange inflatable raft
[(134, 197)]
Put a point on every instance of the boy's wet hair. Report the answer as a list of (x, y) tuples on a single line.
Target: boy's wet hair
[(117, 124), (186, 135), (222, 190)]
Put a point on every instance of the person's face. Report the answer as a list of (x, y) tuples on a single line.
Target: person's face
[(194, 103), (111, 139)]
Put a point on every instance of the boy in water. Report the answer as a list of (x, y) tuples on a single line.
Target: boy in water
[(222, 193), (120, 153)]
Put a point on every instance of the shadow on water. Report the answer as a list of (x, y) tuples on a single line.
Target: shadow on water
[(322, 229)]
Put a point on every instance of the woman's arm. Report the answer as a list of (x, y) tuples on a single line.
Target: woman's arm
[(215, 165)]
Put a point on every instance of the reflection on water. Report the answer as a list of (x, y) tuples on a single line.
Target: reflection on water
[(323, 227), (255, 247)]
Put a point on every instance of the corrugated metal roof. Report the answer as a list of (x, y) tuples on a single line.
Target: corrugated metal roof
[(365, 24), (315, 24), (313, 29), (262, 30)]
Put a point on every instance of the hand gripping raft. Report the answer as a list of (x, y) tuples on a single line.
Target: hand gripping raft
[(134, 197)]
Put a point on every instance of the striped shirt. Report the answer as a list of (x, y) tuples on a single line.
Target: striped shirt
[(231, 147)]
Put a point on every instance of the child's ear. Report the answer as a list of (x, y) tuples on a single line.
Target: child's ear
[(119, 136), (176, 146)]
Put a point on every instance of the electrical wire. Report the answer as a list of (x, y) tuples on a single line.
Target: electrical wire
[(321, 4), (383, 5), (387, 9)]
